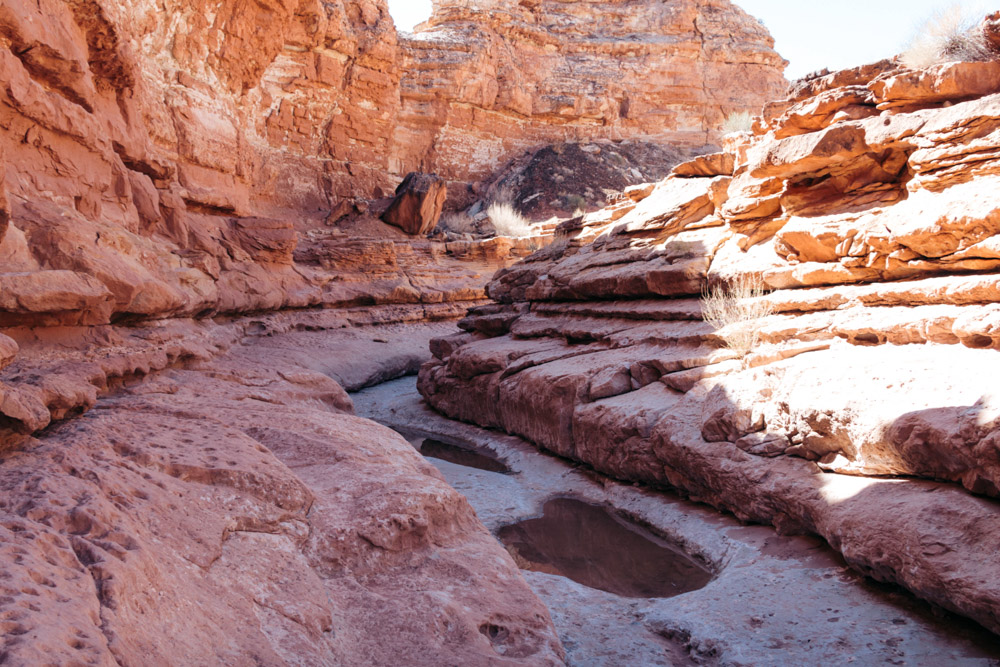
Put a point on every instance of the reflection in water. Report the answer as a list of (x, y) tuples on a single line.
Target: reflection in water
[(470, 457), (596, 548), (436, 449)]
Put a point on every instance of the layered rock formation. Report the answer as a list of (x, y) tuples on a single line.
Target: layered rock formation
[(487, 80), (182, 478), (161, 160), (165, 161), (865, 203)]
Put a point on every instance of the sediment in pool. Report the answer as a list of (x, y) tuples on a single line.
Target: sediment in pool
[(598, 548)]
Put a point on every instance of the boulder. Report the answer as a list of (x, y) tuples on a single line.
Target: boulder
[(418, 203), (8, 350), (712, 164)]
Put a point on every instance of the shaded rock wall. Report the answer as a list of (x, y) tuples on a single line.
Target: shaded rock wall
[(866, 204), (158, 158)]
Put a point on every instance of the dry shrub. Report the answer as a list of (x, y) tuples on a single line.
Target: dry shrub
[(740, 121), (735, 310), (507, 221), (577, 204), (949, 35), (458, 222), (505, 194)]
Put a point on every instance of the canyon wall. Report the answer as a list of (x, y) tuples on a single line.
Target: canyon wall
[(865, 207), (173, 160), (159, 159), (182, 475), (489, 79)]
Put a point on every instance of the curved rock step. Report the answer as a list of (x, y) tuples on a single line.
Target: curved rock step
[(863, 410), (235, 511)]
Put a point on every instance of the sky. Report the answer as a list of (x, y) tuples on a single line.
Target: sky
[(408, 13), (810, 34)]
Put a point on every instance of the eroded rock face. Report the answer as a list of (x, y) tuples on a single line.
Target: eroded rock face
[(491, 79), (179, 490), (866, 204), (179, 154), (163, 158), (232, 509)]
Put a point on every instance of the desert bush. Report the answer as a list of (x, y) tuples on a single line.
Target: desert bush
[(458, 222), (577, 204), (735, 310), (507, 221), (949, 35), (739, 121), (505, 194)]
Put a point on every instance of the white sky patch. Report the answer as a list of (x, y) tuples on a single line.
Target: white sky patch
[(408, 13), (837, 34)]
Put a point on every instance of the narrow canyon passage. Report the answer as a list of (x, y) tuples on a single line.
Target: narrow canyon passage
[(553, 332), (301, 521), (771, 599)]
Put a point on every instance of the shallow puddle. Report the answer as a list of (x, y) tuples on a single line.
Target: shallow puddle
[(599, 549), (463, 456), (436, 449)]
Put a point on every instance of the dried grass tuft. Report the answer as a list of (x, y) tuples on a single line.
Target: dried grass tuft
[(507, 221), (952, 34), (740, 121), (735, 310)]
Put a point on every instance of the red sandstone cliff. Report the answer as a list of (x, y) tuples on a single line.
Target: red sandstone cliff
[(167, 160), (158, 159), (866, 204), (178, 488), (486, 80)]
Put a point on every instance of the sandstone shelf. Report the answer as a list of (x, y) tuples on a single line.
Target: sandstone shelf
[(866, 207)]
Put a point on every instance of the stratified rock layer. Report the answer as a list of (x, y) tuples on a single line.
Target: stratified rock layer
[(169, 160), (162, 160), (178, 489), (866, 203), (487, 80)]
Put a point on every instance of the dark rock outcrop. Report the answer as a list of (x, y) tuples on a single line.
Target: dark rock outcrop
[(417, 206)]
